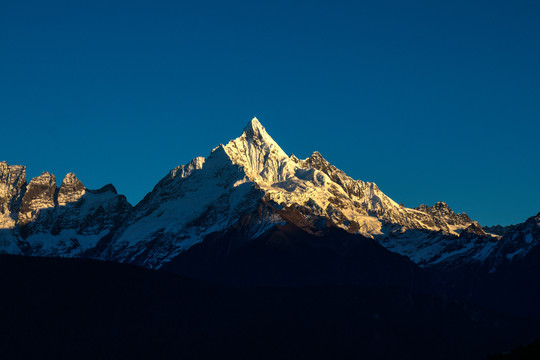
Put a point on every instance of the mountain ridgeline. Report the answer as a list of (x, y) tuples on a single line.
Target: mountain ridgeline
[(250, 214)]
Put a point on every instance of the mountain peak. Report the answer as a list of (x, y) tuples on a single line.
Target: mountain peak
[(45, 178), (71, 190), (254, 126), (255, 134), (70, 178), (254, 131), (316, 156), (474, 229), (261, 157)]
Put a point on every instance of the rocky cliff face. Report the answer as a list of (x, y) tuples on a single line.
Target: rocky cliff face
[(12, 186), (71, 190), (445, 218), (39, 218), (40, 195)]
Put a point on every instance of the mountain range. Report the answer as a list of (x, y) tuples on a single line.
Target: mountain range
[(249, 213)]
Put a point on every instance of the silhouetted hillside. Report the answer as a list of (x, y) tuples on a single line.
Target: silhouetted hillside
[(528, 352), (289, 256), (58, 308)]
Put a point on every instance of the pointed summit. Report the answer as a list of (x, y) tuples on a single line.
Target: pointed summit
[(254, 126), (475, 229), (256, 136), (254, 131), (259, 154)]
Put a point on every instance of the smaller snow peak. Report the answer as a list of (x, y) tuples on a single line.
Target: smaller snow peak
[(106, 188), (217, 148), (195, 164), (219, 152), (219, 155), (316, 161), (184, 171), (474, 229), (316, 157)]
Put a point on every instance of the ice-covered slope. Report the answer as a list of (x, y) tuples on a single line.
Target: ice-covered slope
[(191, 202)]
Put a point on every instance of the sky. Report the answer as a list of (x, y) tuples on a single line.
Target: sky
[(431, 100)]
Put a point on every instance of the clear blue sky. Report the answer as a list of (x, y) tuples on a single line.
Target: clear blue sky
[(432, 100)]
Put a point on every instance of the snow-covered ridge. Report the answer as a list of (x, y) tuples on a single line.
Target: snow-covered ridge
[(326, 191)]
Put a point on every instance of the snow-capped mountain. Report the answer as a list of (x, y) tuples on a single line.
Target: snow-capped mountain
[(249, 184), (253, 178)]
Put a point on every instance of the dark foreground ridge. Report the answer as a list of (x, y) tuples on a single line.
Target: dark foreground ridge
[(289, 256), (76, 308), (528, 352)]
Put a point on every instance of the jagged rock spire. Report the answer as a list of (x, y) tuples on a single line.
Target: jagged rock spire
[(12, 180), (71, 190), (39, 195)]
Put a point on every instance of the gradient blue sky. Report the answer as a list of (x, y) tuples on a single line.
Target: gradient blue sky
[(432, 100)]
